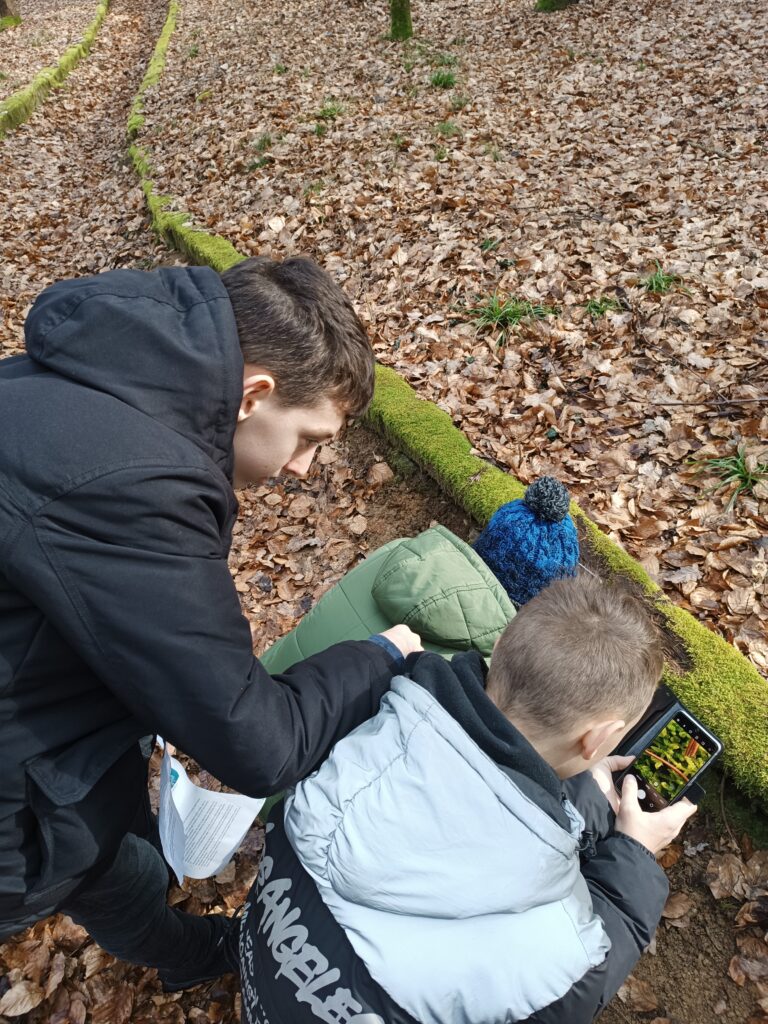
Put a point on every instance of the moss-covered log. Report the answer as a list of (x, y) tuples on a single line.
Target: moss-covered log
[(19, 105)]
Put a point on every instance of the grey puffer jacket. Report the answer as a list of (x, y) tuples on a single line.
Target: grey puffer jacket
[(433, 865)]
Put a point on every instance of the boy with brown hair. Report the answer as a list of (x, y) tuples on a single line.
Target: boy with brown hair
[(142, 399), (457, 859)]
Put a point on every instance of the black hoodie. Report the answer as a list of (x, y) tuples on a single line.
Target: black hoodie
[(118, 614)]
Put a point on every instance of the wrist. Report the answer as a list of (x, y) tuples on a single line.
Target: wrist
[(389, 647)]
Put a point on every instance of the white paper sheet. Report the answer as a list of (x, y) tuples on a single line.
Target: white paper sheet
[(200, 830)]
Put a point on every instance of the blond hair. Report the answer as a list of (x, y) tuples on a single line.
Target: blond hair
[(582, 647)]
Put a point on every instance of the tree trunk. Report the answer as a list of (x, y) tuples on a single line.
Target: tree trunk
[(9, 9), (400, 11)]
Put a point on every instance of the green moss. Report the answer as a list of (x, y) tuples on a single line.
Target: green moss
[(153, 72), (9, 21), (20, 105), (722, 688), (428, 437)]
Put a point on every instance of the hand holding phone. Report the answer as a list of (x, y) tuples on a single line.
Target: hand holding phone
[(671, 758), (654, 829)]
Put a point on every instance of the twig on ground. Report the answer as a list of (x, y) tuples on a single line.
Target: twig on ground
[(722, 812)]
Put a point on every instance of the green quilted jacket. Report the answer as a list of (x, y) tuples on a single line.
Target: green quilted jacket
[(434, 583)]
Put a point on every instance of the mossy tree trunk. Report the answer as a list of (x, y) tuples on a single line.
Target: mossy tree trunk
[(9, 9), (400, 13)]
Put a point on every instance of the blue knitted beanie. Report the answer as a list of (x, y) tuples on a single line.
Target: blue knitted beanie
[(531, 541)]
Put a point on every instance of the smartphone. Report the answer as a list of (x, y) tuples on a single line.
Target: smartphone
[(672, 760)]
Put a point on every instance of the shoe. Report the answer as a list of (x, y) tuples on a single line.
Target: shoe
[(223, 959)]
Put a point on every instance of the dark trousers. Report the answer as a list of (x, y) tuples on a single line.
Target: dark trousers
[(124, 909)]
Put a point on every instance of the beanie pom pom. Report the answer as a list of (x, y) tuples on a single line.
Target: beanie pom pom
[(548, 499)]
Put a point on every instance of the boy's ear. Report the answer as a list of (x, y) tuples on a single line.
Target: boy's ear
[(257, 387), (601, 738)]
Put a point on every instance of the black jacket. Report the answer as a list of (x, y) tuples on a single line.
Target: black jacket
[(118, 615), (297, 960)]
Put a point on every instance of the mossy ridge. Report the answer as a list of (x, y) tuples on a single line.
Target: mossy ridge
[(20, 105), (173, 226), (722, 687)]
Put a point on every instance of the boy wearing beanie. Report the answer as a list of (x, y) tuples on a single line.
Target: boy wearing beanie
[(456, 597), (438, 867)]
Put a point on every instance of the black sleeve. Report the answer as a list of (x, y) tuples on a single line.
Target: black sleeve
[(587, 797), (131, 569), (628, 891)]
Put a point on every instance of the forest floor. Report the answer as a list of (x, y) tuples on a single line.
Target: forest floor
[(571, 154)]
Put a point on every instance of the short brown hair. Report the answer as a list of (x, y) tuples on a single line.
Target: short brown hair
[(295, 321), (582, 646)]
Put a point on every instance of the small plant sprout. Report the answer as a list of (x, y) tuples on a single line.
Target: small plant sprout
[(489, 244), (599, 307), (280, 68), (547, 6), (739, 474), (446, 60), (443, 80), (660, 282), (262, 144), (492, 151), (458, 101), (193, 51), (320, 129), (399, 142), (448, 129), (329, 111), (441, 153), (502, 315)]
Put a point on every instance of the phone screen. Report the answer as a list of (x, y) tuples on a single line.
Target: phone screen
[(670, 761)]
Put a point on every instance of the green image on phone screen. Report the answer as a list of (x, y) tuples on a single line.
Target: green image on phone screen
[(668, 764)]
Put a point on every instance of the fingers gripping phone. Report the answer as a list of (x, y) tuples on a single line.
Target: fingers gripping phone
[(671, 759)]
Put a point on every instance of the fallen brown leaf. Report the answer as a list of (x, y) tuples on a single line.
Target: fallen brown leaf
[(21, 998), (638, 995)]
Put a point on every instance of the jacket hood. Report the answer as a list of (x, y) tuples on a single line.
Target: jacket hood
[(164, 342), (468, 608), (429, 826)]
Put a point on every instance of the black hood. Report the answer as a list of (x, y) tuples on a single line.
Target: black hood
[(164, 342)]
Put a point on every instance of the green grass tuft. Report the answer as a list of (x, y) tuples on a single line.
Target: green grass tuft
[(280, 69), (458, 101), (448, 129), (446, 60), (329, 111), (503, 315), (739, 474), (490, 244), (599, 307), (443, 80), (9, 21), (659, 283)]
